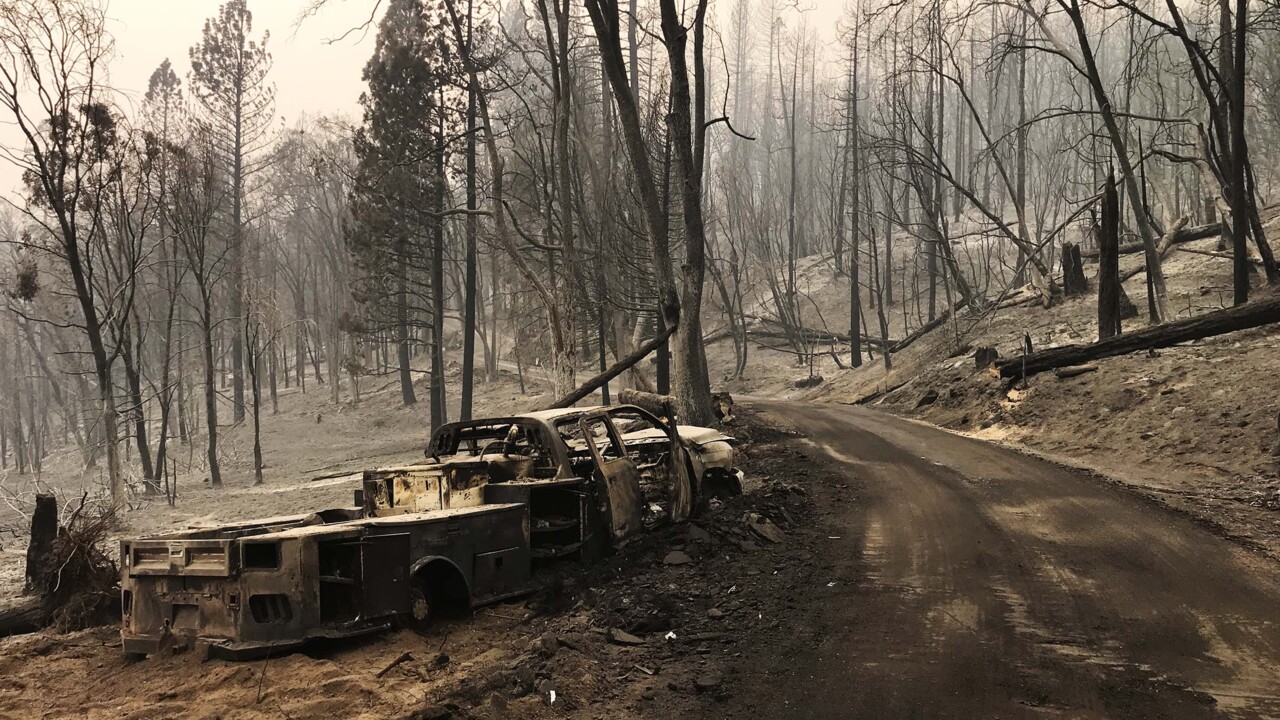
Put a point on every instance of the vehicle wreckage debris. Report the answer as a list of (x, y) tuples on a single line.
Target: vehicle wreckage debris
[(626, 631), (506, 494)]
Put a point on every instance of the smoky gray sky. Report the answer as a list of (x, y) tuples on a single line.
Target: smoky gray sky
[(312, 75), (315, 71)]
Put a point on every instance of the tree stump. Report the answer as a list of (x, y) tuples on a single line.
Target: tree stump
[(1073, 279), (722, 406), (44, 530), (985, 357), (1128, 310)]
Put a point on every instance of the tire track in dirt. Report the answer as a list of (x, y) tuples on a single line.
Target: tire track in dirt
[(985, 583)]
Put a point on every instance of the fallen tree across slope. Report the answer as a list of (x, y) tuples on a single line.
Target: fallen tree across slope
[(1241, 317)]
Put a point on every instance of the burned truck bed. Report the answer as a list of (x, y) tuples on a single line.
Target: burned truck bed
[(275, 586), (466, 528)]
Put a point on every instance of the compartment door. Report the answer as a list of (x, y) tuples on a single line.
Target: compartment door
[(500, 572), (384, 562)]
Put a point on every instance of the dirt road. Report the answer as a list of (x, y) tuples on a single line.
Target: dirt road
[(975, 582)]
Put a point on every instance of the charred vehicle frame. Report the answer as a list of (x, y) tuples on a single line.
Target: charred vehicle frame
[(467, 528)]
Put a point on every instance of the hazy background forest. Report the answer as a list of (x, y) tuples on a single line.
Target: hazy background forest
[(529, 192)]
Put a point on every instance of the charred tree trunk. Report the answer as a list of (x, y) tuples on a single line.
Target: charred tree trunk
[(1109, 287), (1240, 317), (614, 371), (210, 391), (133, 376), (1073, 279), (855, 230), (660, 405), (407, 395), (44, 530), (470, 283), (438, 416)]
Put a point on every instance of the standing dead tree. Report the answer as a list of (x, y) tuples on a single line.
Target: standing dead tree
[(1081, 57), (1109, 288), (74, 160), (1225, 144), (687, 126), (229, 79)]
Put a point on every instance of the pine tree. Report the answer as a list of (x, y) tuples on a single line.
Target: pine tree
[(229, 79), (399, 148)]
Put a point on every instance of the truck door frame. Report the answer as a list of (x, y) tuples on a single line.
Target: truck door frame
[(617, 478)]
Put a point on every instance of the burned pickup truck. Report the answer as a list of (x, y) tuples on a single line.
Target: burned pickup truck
[(496, 497)]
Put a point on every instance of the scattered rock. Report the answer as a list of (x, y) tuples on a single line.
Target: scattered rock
[(677, 557), (809, 381), (930, 397), (706, 682), (763, 527), (548, 644), (525, 677), (715, 613), (621, 637), (574, 641), (697, 534)]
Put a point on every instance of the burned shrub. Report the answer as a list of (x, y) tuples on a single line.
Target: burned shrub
[(79, 581)]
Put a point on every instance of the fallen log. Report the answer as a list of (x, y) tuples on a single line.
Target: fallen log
[(926, 328), (1241, 317), (807, 332), (615, 370), (1217, 254), (814, 335), (1074, 370), (660, 405), (1184, 235), (333, 475), (25, 617), (878, 394), (1019, 299)]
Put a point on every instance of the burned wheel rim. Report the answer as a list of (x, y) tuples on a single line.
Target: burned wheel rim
[(419, 615)]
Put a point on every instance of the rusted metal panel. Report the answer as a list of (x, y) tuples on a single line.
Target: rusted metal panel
[(210, 558), (416, 489)]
